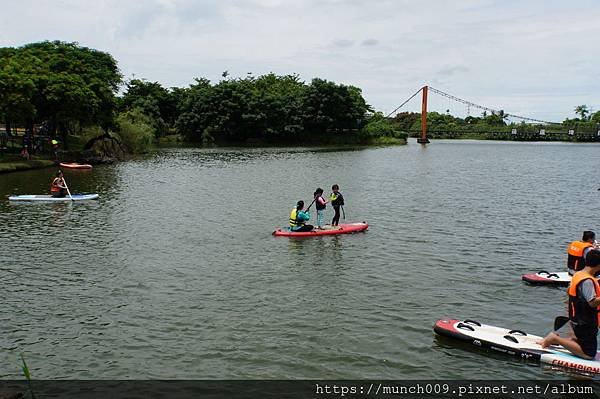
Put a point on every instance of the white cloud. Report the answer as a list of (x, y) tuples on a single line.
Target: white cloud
[(534, 57)]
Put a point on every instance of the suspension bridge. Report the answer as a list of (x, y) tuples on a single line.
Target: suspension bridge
[(546, 129)]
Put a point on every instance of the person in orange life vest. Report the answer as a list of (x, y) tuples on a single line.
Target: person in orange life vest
[(58, 187), (577, 251), (584, 303)]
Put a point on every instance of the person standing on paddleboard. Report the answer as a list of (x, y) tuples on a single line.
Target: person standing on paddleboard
[(58, 188), (583, 307), (337, 201), (298, 218), (577, 251), (320, 204)]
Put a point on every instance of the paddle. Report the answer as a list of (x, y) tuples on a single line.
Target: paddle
[(307, 209), (559, 322), (343, 212), (67, 187)]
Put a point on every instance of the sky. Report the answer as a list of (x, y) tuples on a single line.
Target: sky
[(532, 58)]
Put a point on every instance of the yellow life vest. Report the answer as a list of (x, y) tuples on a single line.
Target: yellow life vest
[(294, 222)]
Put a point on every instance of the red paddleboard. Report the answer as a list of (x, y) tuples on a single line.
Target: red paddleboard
[(327, 231), (74, 165)]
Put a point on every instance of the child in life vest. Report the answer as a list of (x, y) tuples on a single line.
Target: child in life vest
[(320, 204), (337, 201)]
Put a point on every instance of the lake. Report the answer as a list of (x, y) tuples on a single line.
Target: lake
[(174, 274)]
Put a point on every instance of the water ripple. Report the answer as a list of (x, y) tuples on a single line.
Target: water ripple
[(173, 272)]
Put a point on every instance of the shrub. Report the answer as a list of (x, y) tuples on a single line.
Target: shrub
[(379, 126), (135, 130)]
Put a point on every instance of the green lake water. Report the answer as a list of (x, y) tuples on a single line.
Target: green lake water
[(174, 274)]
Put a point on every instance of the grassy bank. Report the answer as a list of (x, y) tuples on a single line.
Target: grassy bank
[(386, 141), (13, 164)]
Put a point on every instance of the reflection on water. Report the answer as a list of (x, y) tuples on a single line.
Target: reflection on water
[(174, 273), (323, 251)]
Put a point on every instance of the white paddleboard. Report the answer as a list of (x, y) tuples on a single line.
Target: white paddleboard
[(551, 278), (49, 198), (515, 343)]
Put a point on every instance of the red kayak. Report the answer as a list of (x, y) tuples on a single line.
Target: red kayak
[(327, 231), (75, 165)]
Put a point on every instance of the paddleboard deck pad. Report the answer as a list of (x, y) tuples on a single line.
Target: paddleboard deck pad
[(49, 198), (345, 228), (543, 277), (515, 343)]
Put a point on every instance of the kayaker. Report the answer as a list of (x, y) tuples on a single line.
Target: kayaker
[(337, 201), (583, 307), (58, 187), (577, 251), (298, 218), (320, 204)]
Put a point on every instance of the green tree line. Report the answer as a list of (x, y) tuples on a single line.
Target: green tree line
[(61, 84), (268, 108), (77, 91)]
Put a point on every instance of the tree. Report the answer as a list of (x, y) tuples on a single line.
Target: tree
[(327, 105), (583, 111), (135, 129), (268, 107), (59, 82), (494, 120), (153, 100), (472, 120), (405, 120), (502, 115), (378, 125), (16, 89)]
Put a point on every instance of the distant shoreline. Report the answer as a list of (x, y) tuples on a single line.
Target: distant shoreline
[(310, 141), (16, 166), (12, 163)]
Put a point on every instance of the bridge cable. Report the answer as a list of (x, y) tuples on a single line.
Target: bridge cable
[(401, 105), (493, 111)]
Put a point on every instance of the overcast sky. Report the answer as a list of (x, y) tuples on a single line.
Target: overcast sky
[(534, 58)]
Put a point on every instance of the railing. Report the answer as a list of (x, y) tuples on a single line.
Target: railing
[(540, 135), (16, 141)]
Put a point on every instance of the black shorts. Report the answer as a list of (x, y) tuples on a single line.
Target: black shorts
[(587, 338)]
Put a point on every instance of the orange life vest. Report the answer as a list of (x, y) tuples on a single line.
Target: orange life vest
[(580, 310), (54, 187), (575, 259)]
